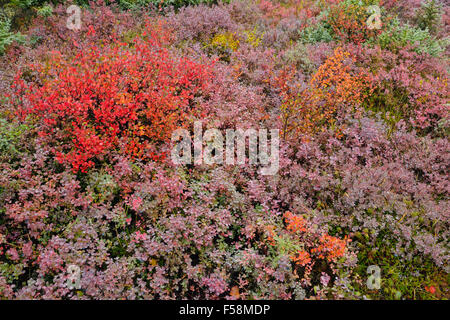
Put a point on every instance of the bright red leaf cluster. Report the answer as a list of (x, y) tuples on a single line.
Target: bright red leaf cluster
[(113, 98)]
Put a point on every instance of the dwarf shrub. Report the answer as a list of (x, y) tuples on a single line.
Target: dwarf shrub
[(114, 97), (398, 36)]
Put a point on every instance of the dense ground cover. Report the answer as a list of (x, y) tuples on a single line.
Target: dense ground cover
[(86, 118)]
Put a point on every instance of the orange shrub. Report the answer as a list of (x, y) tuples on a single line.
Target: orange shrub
[(334, 87), (330, 248), (304, 243)]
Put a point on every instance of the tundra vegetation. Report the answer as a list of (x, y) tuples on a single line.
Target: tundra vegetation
[(87, 184)]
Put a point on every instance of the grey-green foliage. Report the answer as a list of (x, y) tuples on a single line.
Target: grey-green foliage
[(398, 36), (136, 4), (317, 33), (102, 186), (6, 35), (45, 11), (10, 135), (429, 16), (298, 55)]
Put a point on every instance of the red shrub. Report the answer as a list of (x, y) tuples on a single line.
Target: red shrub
[(113, 98)]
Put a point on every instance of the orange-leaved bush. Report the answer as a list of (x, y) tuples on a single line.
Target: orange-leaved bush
[(304, 243), (120, 97), (334, 87)]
